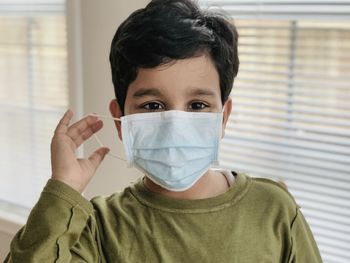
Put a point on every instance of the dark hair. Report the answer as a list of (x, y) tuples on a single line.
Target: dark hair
[(166, 30)]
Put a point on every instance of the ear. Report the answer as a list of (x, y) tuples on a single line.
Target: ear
[(116, 113), (226, 115)]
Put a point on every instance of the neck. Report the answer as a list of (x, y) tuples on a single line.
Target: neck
[(211, 184)]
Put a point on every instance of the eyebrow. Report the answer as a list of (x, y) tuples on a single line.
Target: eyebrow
[(200, 91), (147, 92), (156, 92)]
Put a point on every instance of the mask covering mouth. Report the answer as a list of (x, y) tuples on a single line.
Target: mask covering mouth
[(173, 148)]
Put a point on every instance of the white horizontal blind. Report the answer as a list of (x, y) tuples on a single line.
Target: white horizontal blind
[(291, 114), (33, 94), (284, 9)]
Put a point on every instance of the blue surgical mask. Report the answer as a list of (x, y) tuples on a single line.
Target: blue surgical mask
[(173, 148)]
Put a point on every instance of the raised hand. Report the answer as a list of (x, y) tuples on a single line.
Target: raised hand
[(66, 167)]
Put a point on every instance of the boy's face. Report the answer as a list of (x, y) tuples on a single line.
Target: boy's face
[(188, 85)]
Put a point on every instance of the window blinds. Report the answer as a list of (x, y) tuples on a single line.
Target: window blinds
[(33, 94), (291, 114), (283, 9)]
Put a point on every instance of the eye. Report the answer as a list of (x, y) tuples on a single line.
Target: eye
[(153, 106), (198, 105)]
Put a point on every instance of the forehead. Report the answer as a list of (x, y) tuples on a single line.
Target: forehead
[(180, 77)]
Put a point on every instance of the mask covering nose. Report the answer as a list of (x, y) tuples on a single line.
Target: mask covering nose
[(173, 148)]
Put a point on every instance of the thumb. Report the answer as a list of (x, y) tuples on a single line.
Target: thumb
[(97, 157)]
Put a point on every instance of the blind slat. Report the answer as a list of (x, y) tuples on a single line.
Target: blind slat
[(291, 113)]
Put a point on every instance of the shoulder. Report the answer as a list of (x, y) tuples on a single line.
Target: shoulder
[(114, 202), (272, 195), (272, 189)]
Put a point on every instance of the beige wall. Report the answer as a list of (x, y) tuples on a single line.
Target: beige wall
[(5, 240), (91, 26), (100, 22)]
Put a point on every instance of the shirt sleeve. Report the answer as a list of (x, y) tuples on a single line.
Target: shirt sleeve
[(61, 227), (303, 245)]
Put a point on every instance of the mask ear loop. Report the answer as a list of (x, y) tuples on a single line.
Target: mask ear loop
[(99, 141)]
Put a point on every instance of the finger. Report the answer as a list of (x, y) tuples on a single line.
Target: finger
[(62, 126), (97, 157), (79, 127), (88, 133)]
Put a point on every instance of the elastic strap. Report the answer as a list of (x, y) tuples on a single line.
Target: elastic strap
[(104, 117), (98, 139)]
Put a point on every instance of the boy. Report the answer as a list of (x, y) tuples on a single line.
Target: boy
[(173, 67)]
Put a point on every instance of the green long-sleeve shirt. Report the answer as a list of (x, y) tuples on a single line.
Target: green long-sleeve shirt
[(256, 220)]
